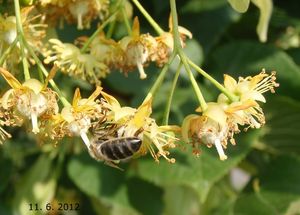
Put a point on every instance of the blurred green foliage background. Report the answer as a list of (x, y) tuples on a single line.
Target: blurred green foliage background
[(224, 41)]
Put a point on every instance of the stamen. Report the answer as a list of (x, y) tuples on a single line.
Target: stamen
[(3, 135)]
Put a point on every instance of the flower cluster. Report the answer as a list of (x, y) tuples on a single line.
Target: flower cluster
[(221, 120), (34, 30), (35, 102), (131, 122), (82, 12), (112, 132), (131, 52), (28, 101)]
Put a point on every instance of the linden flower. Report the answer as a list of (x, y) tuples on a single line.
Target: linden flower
[(107, 51), (81, 11), (76, 120), (247, 111), (70, 60), (138, 50), (33, 29), (31, 99), (210, 128), (165, 43), (138, 123)]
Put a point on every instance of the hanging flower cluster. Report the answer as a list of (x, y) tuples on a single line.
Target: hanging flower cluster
[(33, 101), (82, 12), (131, 52), (221, 120), (100, 118), (34, 30)]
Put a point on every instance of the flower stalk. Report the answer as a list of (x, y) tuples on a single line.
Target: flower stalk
[(161, 76), (170, 97), (20, 36), (152, 22), (94, 35)]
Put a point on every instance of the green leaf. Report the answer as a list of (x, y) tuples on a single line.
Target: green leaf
[(113, 187), (282, 124), (276, 189), (195, 6), (265, 7), (37, 186), (181, 200), (243, 58), (240, 6), (211, 24), (5, 166), (194, 52), (198, 173)]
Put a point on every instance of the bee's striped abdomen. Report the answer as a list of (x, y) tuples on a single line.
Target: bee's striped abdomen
[(119, 148)]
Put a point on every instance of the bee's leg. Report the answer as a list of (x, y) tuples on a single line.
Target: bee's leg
[(112, 164)]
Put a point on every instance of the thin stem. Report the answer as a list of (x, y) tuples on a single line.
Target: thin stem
[(170, 97), (7, 51), (177, 42), (111, 29), (161, 76), (20, 35), (24, 59), (18, 17), (126, 21), (45, 72), (178, 48), (91, 38), (230, 95), (156, 27), (194, 83)]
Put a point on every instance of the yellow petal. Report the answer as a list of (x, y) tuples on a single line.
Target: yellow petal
[(186, 126), (33, 84), (76, 97), (241, 106), (67, 115), (229, 82), (10, 79), (95, 94), (184, 31), (174, 128), (111, 100), (136, 27), (5, 98), (216, 113), (143, 112), (50, 75), (123, 112)]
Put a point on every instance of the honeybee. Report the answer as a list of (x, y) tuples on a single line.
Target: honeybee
[(120, 148), (111, 146)]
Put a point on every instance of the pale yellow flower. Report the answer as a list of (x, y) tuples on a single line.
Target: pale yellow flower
[(82, 12), (138, 123), (70, 60), (138, 50), (249, 90), (165, 43), (76, 120), (107, 51), (33, 30), (211, 128), (31, 99)]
